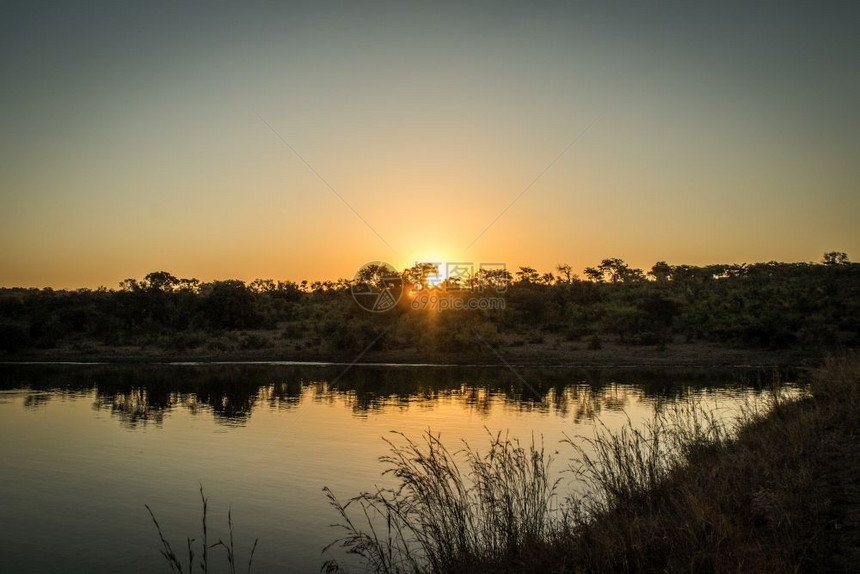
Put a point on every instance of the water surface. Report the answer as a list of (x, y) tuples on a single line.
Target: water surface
[(85, 446)]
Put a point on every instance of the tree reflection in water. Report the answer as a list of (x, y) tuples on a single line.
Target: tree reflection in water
[(144, 394)]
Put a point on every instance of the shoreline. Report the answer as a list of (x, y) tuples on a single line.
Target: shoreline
[(690, 355), (775, 361), (754, 502), (776, 493)]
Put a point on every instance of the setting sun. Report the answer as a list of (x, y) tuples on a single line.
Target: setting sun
[(436, 279)]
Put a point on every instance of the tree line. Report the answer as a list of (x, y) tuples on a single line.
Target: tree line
[(762, 305)]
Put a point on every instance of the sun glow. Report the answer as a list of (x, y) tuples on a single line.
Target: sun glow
[(436, 279), (435, 265)]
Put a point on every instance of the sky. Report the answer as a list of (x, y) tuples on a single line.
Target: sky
[(300, 140)]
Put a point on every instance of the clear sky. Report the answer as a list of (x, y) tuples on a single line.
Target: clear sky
[(159, 135)]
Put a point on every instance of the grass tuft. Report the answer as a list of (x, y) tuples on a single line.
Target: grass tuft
[(442, 518), (173, 560)]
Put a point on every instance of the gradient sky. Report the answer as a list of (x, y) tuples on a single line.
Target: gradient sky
[(144, 136)]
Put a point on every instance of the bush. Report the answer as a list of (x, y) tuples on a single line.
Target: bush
[(14, 336), (254, 341), (185, 340)]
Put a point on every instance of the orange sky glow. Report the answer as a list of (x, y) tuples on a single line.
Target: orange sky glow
[(299, 142)]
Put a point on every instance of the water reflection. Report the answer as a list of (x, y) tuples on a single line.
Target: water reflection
[(36, 400), (142, 395), (79, 478)]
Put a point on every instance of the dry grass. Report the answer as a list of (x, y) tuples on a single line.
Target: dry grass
[(441, 518), (176, 564), (773, 491)]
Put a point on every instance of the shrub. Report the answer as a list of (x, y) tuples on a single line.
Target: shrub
[(13, 336)]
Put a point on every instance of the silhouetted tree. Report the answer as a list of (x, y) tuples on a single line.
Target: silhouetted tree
[(565, 273), (527, 275), (661, 272), (594, 274), (619, 272), (161, 281), (835, 258)]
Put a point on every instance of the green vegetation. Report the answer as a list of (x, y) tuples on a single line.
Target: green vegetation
[(766, 306), (774, 492)]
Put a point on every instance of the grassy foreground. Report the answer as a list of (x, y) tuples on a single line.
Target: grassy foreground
[(777, 492)]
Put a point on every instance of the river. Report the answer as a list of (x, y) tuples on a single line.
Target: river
[(84, 447)]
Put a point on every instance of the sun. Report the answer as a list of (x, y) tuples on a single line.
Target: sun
[(434, 258), (427, 273), (435, 280), (447, 263)]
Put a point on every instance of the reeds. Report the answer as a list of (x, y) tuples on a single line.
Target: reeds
[(172, 558), (441, 518), (614, 466)]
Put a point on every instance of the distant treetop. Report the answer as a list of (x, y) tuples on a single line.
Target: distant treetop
[(835, 258)]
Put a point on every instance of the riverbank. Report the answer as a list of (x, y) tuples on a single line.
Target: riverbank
[(782, 496), (548, 352), (775, 491)]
